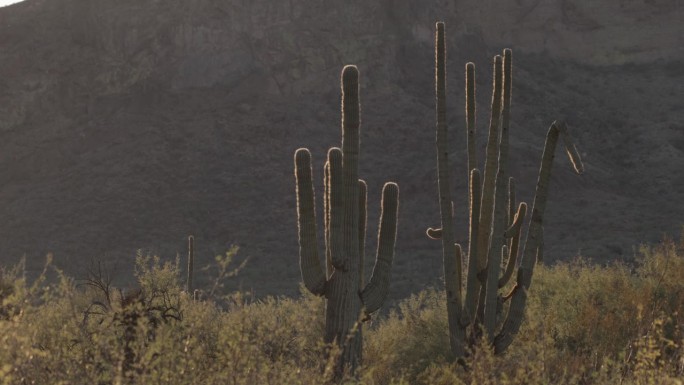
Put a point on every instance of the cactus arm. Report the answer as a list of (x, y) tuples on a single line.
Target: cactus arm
[(363, 201), (513, 233), (511, 200), (494, 258), (470, 116), (570, 148), (518, 219), (473, 283), (433, 233), (191, 264), (463, 318), (452, 286), (504, 139), (500, 204), (335, 209), (511, 209), (326, 218), (436, 233), (350, 164), (374, 294), (505, 112), (309, 263), (534, 234), (490, 171)]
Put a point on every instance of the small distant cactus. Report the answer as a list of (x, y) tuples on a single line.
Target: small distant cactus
[(344, 203), (189, 288), (495, 224)]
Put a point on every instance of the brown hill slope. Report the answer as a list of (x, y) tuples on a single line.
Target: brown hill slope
[(132, 123)]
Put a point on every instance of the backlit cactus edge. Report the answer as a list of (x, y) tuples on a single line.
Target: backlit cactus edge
[(474, 305), (342, 283), (495, 225)]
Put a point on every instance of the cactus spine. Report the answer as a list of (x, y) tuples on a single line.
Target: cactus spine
[(495, 225), (344, 205)]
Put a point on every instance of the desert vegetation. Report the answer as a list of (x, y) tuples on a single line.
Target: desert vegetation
[(585, 324)]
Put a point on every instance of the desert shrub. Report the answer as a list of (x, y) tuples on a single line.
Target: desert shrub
[(586, 324), (412, 338)]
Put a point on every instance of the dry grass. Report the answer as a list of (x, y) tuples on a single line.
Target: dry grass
[(586, 324)]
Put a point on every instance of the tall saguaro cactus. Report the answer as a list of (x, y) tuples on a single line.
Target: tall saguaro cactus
[(495, 225), (344, 205)]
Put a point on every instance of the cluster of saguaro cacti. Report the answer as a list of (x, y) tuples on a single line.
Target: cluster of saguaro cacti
[(344, 202), (495, 225)]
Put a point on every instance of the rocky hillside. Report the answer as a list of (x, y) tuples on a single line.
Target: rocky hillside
[(130, 124)]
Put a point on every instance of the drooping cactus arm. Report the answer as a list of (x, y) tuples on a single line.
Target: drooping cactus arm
[(534, 234), (363, 199), (191, 264), (374, 294), (539, 206), (336, 208), (490, 171), (513, 233), (350, 163), (473, 283), (470, 116), (309, 263), (570, 148)]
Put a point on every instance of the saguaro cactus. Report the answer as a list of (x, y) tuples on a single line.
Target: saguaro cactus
[(191, 265), (495, 225), (344, 231)]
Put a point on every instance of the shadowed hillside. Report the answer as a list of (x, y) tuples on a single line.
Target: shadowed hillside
[(130, 124)]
